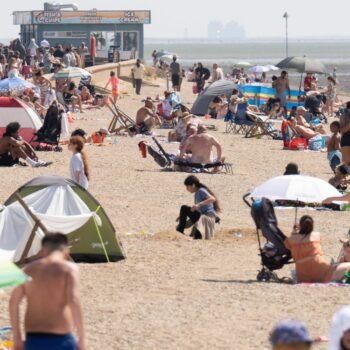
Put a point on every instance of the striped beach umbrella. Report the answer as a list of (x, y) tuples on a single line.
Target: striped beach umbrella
[(11, 275), (258, 69), (71, 73)]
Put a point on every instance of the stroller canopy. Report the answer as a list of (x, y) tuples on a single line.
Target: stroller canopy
[(219, 88), (15, 110)]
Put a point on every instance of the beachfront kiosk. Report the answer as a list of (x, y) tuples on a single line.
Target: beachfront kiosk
[(67, 25)]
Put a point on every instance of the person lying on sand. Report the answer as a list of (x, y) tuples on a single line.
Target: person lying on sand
[(201, 146), (12, 148), (306, 249), (146, 117)]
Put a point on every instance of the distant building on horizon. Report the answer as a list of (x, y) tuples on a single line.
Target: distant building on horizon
[(228, 31)]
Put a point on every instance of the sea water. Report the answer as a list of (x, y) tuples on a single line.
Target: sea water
[(333, 53)]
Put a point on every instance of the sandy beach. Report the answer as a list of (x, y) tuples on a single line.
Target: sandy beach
[(172, 292)]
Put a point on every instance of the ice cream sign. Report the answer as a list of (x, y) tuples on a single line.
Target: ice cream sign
[(91, 17)]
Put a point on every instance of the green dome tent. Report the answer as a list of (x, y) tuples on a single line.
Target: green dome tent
[(60, 204)]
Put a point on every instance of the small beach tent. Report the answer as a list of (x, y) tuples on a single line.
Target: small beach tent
[(219, 88), (61, 206), (14, 110)]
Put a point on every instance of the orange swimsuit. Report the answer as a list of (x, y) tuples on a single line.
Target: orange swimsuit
[(310, 264)]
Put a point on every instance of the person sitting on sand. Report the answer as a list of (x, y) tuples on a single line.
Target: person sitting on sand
[(201, 145), (339, 180), (98, 137), (290, 335), (179, 134), (71, 95), (275, 111), (167, 107), (301, 113), (219, 107), (333, 146), (191, 130), (146, 117), (86, 97), (13, 148), (311, 266), (206, 204), (302, 131)]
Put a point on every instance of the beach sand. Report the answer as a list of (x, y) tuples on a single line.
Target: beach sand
[(172, 292)]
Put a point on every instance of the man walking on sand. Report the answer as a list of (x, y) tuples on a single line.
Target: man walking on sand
[(281, 85), (53, 304)]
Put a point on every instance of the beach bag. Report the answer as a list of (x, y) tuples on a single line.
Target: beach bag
[(195, 89), (160, 109), (316, 143), (298, 144)]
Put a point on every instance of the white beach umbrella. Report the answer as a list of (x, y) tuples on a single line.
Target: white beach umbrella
[(300, 188), (14, 85), (272, 67), (258, 69)]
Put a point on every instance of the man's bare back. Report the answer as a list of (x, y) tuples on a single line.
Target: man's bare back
[(201, 146), (48, 296), (143, 114), (5, 144)]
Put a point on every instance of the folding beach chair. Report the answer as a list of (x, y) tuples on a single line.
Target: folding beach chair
[(240, 123), (126, 123), (261, 126)]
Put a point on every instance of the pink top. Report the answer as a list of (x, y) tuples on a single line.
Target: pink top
[(114, 82)]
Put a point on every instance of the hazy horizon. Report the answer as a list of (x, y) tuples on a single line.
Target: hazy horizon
[(308, 19)]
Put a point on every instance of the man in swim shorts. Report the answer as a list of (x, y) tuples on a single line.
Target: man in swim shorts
[(53, 302)]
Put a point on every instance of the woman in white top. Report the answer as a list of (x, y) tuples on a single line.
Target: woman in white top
[(79, 167)]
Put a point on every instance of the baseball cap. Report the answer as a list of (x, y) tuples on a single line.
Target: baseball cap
[(290, 332)]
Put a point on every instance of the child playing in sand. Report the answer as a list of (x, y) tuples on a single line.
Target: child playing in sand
[(333, 146), (79, 167), (114, 82)]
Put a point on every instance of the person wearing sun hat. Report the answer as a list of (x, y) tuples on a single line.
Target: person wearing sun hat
[(290, 335)]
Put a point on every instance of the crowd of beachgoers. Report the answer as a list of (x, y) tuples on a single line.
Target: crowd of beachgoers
[(53, 82)]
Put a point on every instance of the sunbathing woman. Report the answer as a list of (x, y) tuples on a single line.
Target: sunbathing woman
[(311, 266), (206, 204)]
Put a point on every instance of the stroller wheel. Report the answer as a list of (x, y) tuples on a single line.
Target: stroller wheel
[(264, 276)]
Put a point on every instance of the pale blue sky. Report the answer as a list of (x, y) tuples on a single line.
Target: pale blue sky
[(171, 18)]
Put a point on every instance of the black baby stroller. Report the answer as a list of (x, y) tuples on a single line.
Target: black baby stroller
[(274, 255), (47, 138)]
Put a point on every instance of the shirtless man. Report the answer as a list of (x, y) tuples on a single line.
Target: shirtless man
[(281, 84), (53, 304), (301, 113), (201, 145), (12, 148), (146, 117)]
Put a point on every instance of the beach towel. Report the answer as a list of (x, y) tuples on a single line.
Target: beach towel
[(206, 226)]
